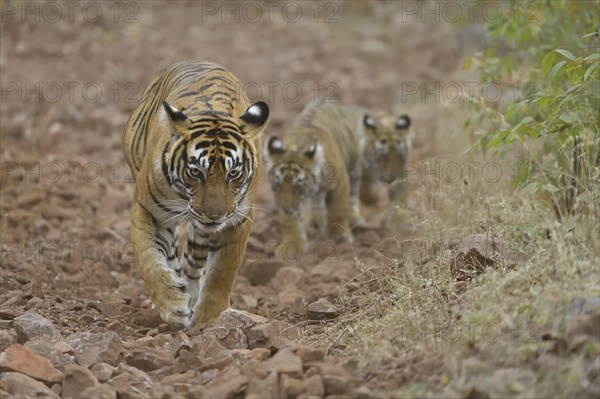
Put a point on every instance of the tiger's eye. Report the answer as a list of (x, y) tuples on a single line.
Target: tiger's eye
[(195, 173), (234, 173)]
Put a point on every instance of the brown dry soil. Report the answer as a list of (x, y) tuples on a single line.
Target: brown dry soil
[(66, 194)]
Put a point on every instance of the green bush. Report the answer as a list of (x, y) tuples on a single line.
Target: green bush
[(549, 50)]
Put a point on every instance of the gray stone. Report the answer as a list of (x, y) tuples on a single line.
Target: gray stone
[(102, 391), (322, 309), (76, 380), (92, 348), (148, 359), (21, 386), (30, 326)]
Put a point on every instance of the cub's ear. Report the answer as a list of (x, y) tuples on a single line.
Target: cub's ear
[(403, 122), (176, 118), (368, 121), (253, 122), (275, 146)]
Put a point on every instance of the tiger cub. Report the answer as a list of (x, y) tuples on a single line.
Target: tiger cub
[(388, 146), (332, 156), (317, 163), (193, 146)]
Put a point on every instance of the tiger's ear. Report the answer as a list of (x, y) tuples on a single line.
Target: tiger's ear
[(253, 122), (176, 118), (275, 146), (368, 121), (311, 150), (315, 152), (403, 122)]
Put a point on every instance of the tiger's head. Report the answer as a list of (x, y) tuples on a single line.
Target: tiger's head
[(293, 173), (387, 146), (211, 162)]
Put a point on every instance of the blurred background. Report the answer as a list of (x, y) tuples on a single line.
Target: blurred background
[(72, 72)]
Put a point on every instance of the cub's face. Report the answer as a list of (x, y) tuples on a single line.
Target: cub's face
[(388, 145), (293, 173), (210, 162)]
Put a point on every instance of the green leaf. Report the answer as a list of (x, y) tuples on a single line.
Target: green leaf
[(594, 88), (531, 188), (550, 188), (591, 57), (585, 196), (556, 68), (567, 118), (566, 54), (547, 62), (590, 70), (548, 146)]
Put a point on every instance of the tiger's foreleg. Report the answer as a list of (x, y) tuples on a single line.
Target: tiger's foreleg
[(193, 261), (221, 270), (398, 195), (167, 289), (318, 213), (355, 218), (338, 210), (369, 189), (294, 242)]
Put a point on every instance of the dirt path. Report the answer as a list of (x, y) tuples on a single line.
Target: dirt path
[(68, 88)]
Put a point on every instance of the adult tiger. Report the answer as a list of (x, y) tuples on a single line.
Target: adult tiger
[(193, 146), (331, 156)]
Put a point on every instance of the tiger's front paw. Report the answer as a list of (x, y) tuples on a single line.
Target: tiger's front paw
[(356, 220), (173, 303), (369, 195), (206, 314), (338, 232), (317, 222)]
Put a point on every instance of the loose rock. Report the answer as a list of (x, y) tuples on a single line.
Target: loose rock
[(322, 309), (103, 371), (101, 391), (186, 361), (335, 385), (7, 337), (76, 380), (290, 387), (474, 254), (313, 386), (21, 386), (260, 388), (227, 385), (31, 326), (92, 348), (309, 355), (148, 359), (286, 362), (20, 359)]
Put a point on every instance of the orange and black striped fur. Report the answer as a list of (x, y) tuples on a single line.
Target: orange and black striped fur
[(331, 156), (318, 162), (388, 143), (193, 147)]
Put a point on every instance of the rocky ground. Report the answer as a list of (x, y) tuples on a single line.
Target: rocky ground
[(76, 321)]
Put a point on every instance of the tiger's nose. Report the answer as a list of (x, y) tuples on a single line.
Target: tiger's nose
[(215, 215)]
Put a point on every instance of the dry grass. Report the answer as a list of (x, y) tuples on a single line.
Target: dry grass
[(412, 324)]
